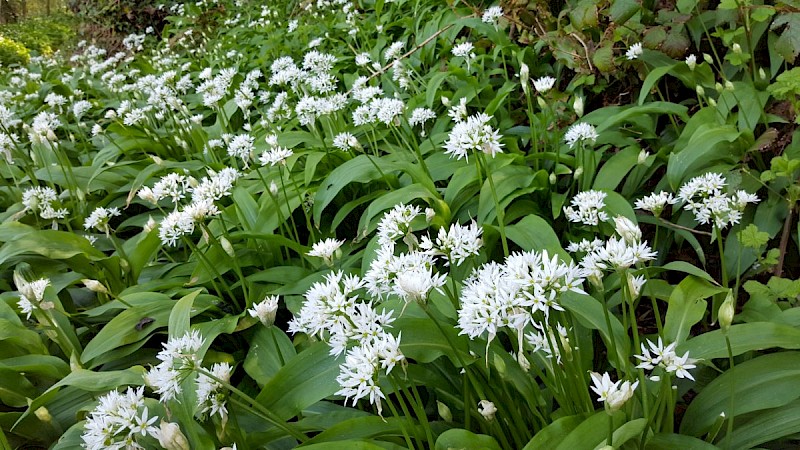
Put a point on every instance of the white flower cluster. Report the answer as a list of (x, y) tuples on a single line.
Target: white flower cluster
[(492, 14), (43, 128), (587, 208), (43, 200), (99, 219), (179, 360), (655, 202), (334, 313), (276, 154), (174, 186), (210, 189), (475, 134), (666, 358), (383, 110), (703, 196), (326, 249), (31, 295), (617, 253), (613, 395), (580, 132), (265, 310), (118, 422), (510, 295), (216, 88), (456, 244)]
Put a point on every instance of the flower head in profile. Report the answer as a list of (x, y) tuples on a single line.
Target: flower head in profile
[(544, 84), (587, 208), (474, 134), (613, 395), (492, 14), (580, 132), (634, 51), (265, 310), (326, 249)]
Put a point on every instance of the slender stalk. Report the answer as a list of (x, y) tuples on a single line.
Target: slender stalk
[(498, 209)]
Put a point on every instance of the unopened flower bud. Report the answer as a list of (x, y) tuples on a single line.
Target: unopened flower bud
[(728, 85), (540, 101), (691, 61), (171, 438), (578, 172), (712, 102), (157, 160), (446, 102), (718, 86), (707, 58), (273, 188), (487, 410), (429, 214), (553, 178), (150, 225), (226, 245), (642, 156), (444, 411), (700, 91), (524, 74), (737, 48), (761, 73), (627, 229), (94, 285), (726, 312), (577, 105), (43, 414)]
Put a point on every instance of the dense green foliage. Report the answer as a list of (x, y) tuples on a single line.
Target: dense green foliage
[(402, 224)]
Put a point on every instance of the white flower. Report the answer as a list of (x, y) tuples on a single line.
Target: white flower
[(487, 410), (475, 134), (31, 295), (395, 223), (691, 61), (211, 396), (704, 197), (170, 437), (265, 310), (118, 421), (421, 115), (634, 51), (99, 218), (614, 395), (178, 358), (326, 249), (456, 244), (278, 155), (655, 202), (393, 51), (345, 141), (464, 50), (580, 132), (491, 14), (544, 84), (362, 59), (414, 284), (627, 229), (656, 355), (587, 208)]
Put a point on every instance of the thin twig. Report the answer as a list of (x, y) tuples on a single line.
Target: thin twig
[(681, 227)]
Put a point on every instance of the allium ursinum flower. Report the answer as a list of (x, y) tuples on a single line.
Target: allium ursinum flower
[(614, 395), (265, 310), (277, 155), (458, 112), (396, 223), (691, 61), (616, 254), (80, 108), (544, 84), (704, 197), (394, 51), (215, 186), (587, 208), (464, 50), (456, 244), (585, 245), (345, 141), (362, 59), (43, 128), (118, 422), (665, 357), (410, 276), (487, 410), (492, 14), (31, 295), (99, 219), (211, 395), (215, 89), (54, 100), (509, 295), (44, 201), (171, 437), (545, 340), (580, 132), (421, 115), (634, 51), (627, 229), (179, 359), (326, 249), (475, 134), (360, 371), (7, 145), (241, 146), (174, 226), (655, 202)]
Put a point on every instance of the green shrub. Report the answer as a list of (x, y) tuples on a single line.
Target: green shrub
[(12, 52)]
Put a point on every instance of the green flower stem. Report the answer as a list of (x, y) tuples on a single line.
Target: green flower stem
[(631, 302), (392, 408), (610, 430), (210, 267), (213, 239), (498, 209), (612, 341), (415, 401), (731, 402), (406, 411)]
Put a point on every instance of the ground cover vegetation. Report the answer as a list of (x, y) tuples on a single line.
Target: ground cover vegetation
[(405, 224)]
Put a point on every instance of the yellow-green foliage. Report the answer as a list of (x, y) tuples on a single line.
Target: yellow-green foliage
[(12, 52)]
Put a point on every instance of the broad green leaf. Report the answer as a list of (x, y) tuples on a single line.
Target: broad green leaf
[(361, 169), (672, 441), (652, 78), (552, 435), (765, 426), (589, 312), (591, 432), (709, 144), (270, 348), (352, 445), (387, 201), (687, 307), (744, 337), (626, 432), (613, 171), (361, 428), (305, 379), (179, 318), (534, 233), (457, 438), (423, 341), (762, 383)]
